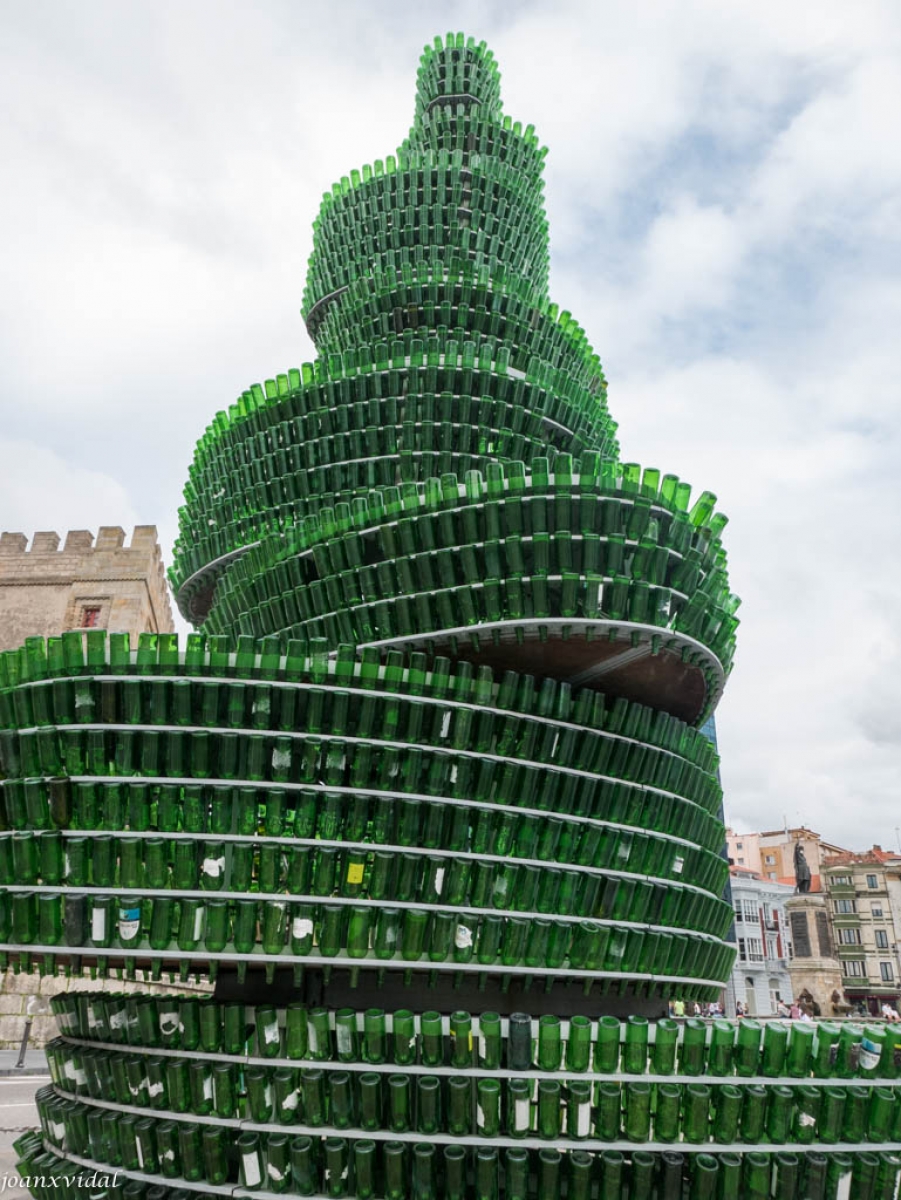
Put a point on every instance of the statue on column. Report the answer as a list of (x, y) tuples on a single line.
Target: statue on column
[(802, 871)]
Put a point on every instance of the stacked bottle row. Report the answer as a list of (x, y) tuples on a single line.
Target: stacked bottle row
[(414, 314), (452, 148), (479, 840), (599, 750), (472, 205), (401, 1078), (511, 558), (96, 654), (469, 382), (58, 926), (369, 444), (773, 1053), (52, 1177), (468, 69), (459, 1105), (336, 1166)]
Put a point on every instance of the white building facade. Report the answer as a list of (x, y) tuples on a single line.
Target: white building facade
[(760, 977)]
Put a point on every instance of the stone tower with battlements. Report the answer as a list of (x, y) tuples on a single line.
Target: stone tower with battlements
[(55, 584)]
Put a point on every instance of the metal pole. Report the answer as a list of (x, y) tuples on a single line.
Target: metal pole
[(24, 1047)]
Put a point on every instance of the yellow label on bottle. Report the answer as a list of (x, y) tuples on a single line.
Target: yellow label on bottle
[(355, 872)]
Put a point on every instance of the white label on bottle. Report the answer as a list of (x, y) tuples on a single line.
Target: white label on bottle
[(168, 1022), (208, 1088), (59, 1131), (583, 1119), (93, 1017), (69, 1068), (624, 849), (154, 1090), (453, 773), (140, 1154), (806, 1119), (678, 864), (198, 922), (480, 1117), (289, 1104), (213, 867), (869, 1055), (252, 1176), (500, 886), (267, 1095), (117, 1020), (463, 937), (270, 1032), (617, 948), (66, 865), (439, 881), (79, 1077), (281, 760), (274, 1173), (843, 1191), (167, 1156), (522, 1113), (98, 924), (344, 1039), (445, 724), (129, 923), (83, 700), (261, 704), (301, 928)]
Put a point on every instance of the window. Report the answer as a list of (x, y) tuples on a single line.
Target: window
[(854, 966), (845, 906), (876, 910), (841, 880), (872, 882), (849, 937), (771, 874), (753, 949), (739, 845), (770, 859), (90, 617), (749, 908), (885, 970), (741, 862), (881, 939)]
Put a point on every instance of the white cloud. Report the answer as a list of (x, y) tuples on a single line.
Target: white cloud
[(40, 490)]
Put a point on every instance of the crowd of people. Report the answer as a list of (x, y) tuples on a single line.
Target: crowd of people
[(805, 1008)]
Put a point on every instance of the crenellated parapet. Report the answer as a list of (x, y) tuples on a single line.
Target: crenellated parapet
[(78, 581)]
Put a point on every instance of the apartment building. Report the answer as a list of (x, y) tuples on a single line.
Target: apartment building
[(771, 854), (863, 892), (760, 977)]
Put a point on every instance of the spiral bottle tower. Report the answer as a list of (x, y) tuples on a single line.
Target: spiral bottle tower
[(426, 794)]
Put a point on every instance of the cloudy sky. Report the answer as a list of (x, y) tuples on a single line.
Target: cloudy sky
[(723, 191)]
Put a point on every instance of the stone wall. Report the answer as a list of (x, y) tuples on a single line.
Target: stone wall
[(23, 994), (45, 590)]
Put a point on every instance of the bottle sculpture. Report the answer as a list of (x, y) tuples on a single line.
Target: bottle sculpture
[(426, 795)]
